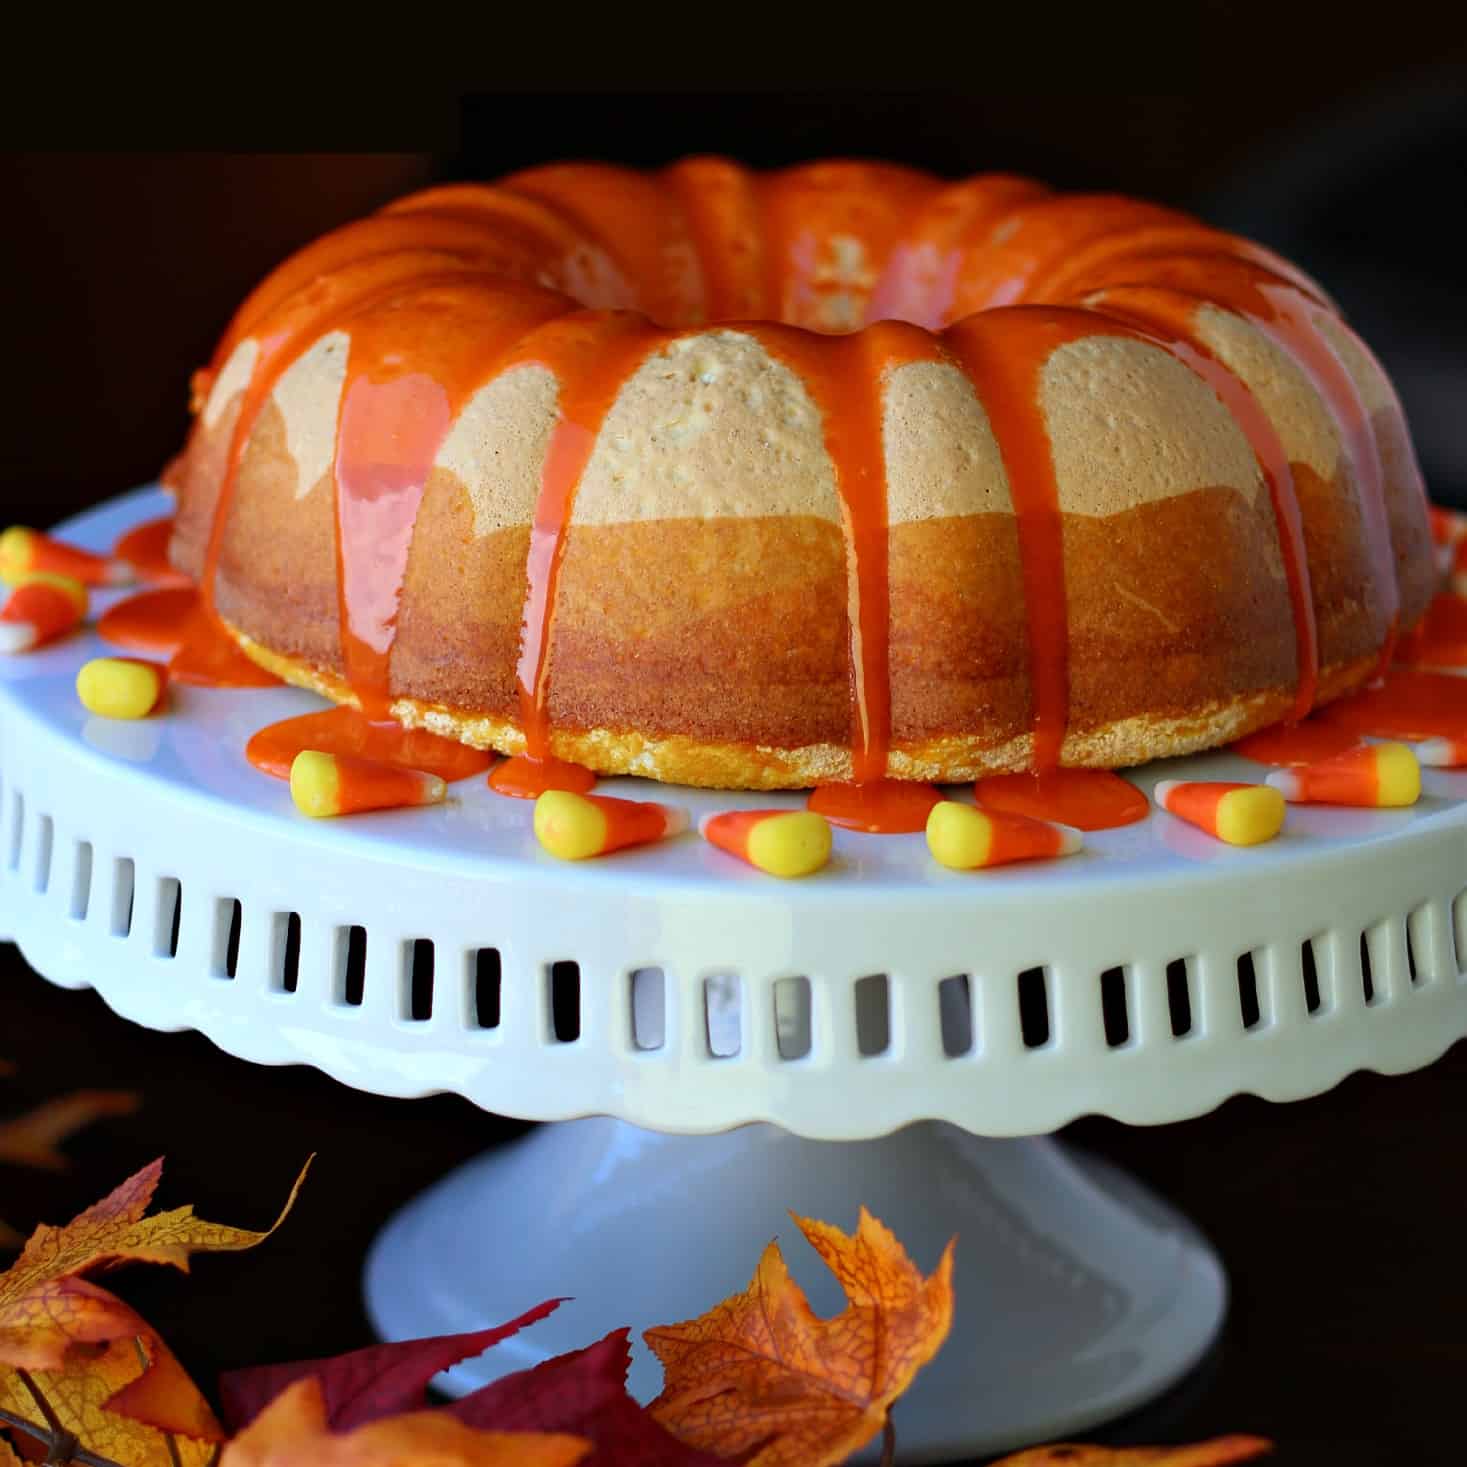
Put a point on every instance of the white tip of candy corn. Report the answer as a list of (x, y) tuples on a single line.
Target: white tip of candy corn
[(17, 636), (1287, 782), (1163, 789), (1439, 753)]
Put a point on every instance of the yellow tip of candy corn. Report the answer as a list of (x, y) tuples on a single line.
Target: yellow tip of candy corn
[(569, 826), (315, 784), (1399, 772), (121, 687), (1250, 817)]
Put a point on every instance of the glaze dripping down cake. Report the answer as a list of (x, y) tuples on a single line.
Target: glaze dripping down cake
[(764, 481)]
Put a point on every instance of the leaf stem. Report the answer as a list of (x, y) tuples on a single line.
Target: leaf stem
[(39, 1397), (888, 1443), (46, 1437)]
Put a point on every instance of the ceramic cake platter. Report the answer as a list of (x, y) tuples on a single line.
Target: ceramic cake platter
[(1148, 978)]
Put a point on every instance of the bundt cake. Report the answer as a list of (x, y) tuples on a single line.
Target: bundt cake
[(834, 473)]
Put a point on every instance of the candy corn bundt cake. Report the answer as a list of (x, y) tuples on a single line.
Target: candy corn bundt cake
[(769, 481)]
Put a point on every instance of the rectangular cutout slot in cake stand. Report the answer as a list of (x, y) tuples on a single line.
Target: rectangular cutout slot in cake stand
[(873, 1015), (955, 1015), (563, 999), (1367, 976), (124, 875), (351, 965), (1179, 997), (167, 917), (1249, 1001), (417, 964), (1115, 1008), (1431, 945), (81, 882), (45, 837), (485, 969), (17, 829), (1034, 1026), (285, 951), (723, 1014), (647, 999), (1309, 969), (793, 1036), (224, 950), (1459, 932)]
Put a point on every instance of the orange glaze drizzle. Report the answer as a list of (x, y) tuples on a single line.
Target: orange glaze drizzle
[(1004, 352), (172, 623), (1439, 639), (392, 423), (145, 548), (152, 622), (844, 377), (592, 354), (1288, 745), (1406, 704), (343, 730), (1169, 316)]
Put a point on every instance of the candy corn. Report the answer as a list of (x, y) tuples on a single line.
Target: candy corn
[(1374, 775), (1442, 753), (121, 687), (40, 609), (24, 551), (343, 784), (1240, 814), (779, 842), (574, 827), (966, 838)]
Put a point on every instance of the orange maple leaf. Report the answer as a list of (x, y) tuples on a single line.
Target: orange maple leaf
[(106, 1374), (292, 1432), (31, 1139), (1215, 1453), (761, 1370)]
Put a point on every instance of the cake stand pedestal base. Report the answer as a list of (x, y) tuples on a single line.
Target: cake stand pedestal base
[(1080, 1294)]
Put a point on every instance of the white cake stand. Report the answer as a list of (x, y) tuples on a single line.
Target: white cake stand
[(666, 994)]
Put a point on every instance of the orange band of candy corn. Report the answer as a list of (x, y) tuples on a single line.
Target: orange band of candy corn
[(1240, 814), (576, 827), (40, 609), (787, 843), (344, 784), (968, 838), (24, 551), (1372, 776)]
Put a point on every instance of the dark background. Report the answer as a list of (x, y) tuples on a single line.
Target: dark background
[(1341, 1218)]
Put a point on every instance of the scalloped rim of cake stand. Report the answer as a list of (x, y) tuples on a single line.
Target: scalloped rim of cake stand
[(111, 833)]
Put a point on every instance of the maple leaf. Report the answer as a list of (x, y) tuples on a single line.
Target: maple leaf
[(583, 1392), (1215, 1453), (31, 1139), (293, 1432), (120, 1389), (762, 1370), (102, 1370), (114, 1231), (366, 1385)]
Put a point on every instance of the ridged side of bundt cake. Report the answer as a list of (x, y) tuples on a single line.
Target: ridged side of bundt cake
[(1124, 487)]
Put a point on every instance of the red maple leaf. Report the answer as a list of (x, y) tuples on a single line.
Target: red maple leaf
[(584, 1394), (366, 1385)]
